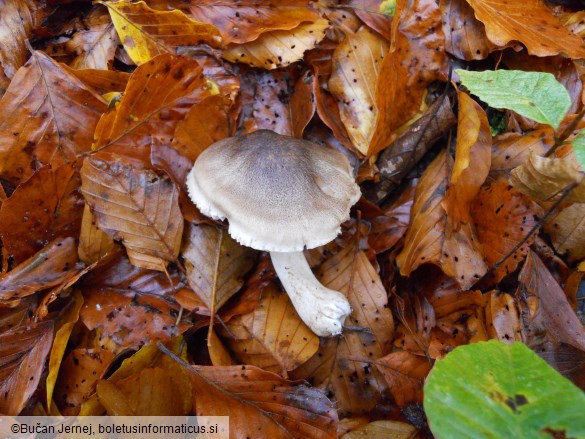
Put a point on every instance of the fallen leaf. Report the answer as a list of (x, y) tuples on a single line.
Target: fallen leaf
[(137, 207), (278, 48), (567, 231), (261, 403), (16, 22), (128, 319), (94, 243), (383, 429), (374, 14), (104, 81), (502, 318), (215, 263), (405, 374), (78, 375), (95, 45), (533, 24), (47, 115), (558, 317), (513, 149), (23, 351), (356, 69), (47, 268), (159, 93), (503, 217), (245, 20), (146, 33), (271, 337), (46, 206), (465, 36)]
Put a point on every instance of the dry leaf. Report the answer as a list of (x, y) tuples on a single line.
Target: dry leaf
[(104, 81), (215, 263), (502, 318), (278, 48), (94, 243), (262, 404), (383, 430), (356, 69), (146, 33), (245, 20), (23, 351), (137, 207), (405, 374), (512, 149), (49, 267), (271, 337), (531, 23), (503, 217), (543, 178), (567, 231), (47, 115), (46, 206), (158, 95), (95, 45)]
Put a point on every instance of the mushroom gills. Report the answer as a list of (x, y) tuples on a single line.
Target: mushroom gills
[(322, 309)]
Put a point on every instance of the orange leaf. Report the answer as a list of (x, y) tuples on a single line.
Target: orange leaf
[(272, 336), (47, 113), (405, 374), (23, 351), (135, 206), (245, 20), (567, 231), (531, 23)]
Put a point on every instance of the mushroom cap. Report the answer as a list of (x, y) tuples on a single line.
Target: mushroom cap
[(277, 192)]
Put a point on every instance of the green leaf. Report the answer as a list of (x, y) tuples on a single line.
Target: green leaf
[(536, 95), (495, 390), (579, 147)]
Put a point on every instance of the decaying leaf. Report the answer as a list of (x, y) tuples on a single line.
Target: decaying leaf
[(94, 243), (146, 32), (533, 24), (356, 68), (137, 207), (48, 115), (23, 351), (567, 231), (278, 48), (245, 20), (271, 337), (215, 263), (405, 374)]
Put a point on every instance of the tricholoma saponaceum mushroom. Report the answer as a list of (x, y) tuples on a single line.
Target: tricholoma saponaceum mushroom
[(281, 195)]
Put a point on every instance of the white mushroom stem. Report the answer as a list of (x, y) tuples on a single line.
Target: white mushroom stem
[(322, 309)]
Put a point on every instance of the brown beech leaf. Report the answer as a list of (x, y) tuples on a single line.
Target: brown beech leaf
[(271, 337), (543, 178), (245, 20), (416, 58), (215, 263), (146, 33), (78, 375), (95, 45), (533, 24), (159, 93), (206, 122), (47, 115), (405, 374), (46, 206), (502, 318), (94, 243), (558, 317), (510, 150), (47, 268), (137, 207), (104, 81), (128, 319), (278, 48), (356, 385), (356, 69), (503, 217), (441, 231), (567, 231), (23, 352), (152, 391), (465, 36), (370, 12), (261, 403), (16, 23), (383, 429)]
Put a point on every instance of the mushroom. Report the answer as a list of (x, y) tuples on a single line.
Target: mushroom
[(281, 195)]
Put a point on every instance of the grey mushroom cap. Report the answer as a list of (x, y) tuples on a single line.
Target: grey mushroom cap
[(278, 193)]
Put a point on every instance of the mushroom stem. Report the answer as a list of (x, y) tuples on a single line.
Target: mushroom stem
[(322, 309)]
